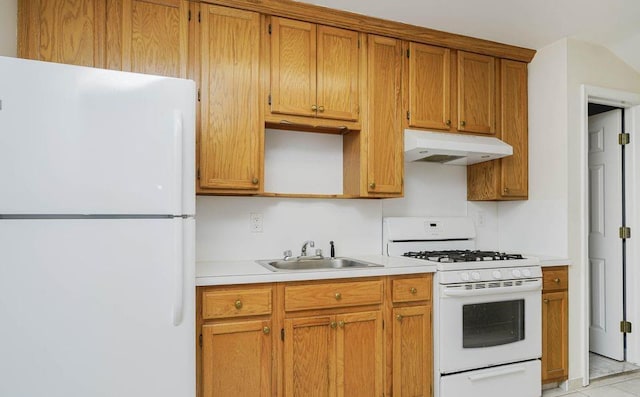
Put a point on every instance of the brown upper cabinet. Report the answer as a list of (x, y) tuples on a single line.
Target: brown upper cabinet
[(231, 126), (476, 93), (148, 36), (71, 32), (506, 178), (429, 86), (314, 72)]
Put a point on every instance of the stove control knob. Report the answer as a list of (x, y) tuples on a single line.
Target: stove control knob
[(526, 272), (464, 276), (516, 273), (475, 276), (497, 274)]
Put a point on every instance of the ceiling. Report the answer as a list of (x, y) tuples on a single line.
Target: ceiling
[(533, 24)]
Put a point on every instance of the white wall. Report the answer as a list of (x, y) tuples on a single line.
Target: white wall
[(355, 225), (8, 27), (539, 225), (596, 66)]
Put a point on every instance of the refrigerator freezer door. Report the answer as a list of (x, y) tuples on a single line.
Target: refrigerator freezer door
[(88, 308), (77, 140)]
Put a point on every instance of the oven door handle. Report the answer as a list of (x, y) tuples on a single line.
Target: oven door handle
[(534, 285), (496, 373)]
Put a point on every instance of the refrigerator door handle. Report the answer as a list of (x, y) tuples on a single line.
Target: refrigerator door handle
[(178, 131), (178, 262)]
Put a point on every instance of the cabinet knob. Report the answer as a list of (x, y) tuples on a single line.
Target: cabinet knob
[(338, 296), (506, 190), (372, 185), (399, 317), (238, 304), (556, 280), (545, 300), (255, 181), (314, 108), (321, 109), (333, 324), (463, 123), (266, 330), (341, 324), (448, 122), (413, 290)]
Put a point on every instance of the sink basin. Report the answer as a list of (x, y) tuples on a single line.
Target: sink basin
[(315, 264)]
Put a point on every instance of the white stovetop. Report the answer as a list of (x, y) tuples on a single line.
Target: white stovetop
[(250, 272)]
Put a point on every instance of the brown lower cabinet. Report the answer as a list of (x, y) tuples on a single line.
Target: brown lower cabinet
[(555, 325), (349, 337)]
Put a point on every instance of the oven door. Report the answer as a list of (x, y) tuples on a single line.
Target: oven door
[(481, 325)]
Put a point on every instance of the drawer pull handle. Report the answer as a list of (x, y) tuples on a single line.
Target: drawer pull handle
[(338, 296), (413, 291), (399, 317), (266, 330), (545, 300), (238, 304), (333, 324), (341, 324), (556, 280)]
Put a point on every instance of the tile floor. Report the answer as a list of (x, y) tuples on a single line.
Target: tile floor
[(603, 382)]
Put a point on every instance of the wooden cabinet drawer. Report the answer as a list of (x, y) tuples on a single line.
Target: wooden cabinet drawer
[(555, 278), (236, 303), (411, 289), (328, 295)]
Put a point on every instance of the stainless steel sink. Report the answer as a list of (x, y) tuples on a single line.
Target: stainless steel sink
[(315, 264)]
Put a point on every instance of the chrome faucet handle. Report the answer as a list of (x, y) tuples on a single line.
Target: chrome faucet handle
[(287, 254), (318, 251), (310, 243)]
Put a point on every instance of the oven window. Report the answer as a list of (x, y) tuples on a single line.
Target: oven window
[(492, 324)]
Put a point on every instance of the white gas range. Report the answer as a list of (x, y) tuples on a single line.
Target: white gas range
[(487, 308)]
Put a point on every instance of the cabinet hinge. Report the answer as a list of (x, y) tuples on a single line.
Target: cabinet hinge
[(408, 53), (269, 99), (200, 340), (623, 139), (625, 327), (625, 232), (282, 334), (198, 174), (189, 15), (358, 43), (382, 324), (198, 94), (269, 28), (408, 115), (199, 16)]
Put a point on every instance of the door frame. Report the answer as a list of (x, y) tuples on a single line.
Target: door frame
[(630, 103)]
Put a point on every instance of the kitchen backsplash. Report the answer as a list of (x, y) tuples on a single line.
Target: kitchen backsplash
[(223, 223)]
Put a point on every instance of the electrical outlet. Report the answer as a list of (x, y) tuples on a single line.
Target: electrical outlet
[(480, 217), (255, 222)]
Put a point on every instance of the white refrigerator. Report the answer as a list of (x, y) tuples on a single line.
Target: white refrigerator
[(97, 260)]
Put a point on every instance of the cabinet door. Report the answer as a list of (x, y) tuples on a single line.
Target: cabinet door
[(412, 352), (148, 36), (337, 74), (231, 127), (293, 67), (71, 32), (309, 357), (554, 336), (476, 93), (429, 86), (513, 93), (385, 143), (359, 354), (237, 359)]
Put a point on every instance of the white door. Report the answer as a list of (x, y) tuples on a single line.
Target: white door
[(605, 245), (99, 308)]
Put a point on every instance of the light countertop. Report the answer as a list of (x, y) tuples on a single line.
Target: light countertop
[(250, 272), (547, 261)]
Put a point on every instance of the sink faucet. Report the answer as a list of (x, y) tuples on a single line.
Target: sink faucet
[(310, 243)]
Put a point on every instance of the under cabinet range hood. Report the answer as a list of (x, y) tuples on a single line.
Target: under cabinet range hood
[(453, 149)]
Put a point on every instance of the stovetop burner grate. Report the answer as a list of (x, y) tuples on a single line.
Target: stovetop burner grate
[(461, 255)]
